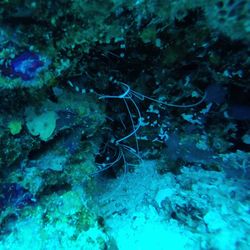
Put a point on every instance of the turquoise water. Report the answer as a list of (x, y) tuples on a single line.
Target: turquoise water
[(124, 125)]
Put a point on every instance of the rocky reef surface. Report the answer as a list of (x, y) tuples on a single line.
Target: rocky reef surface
[(124, 124)]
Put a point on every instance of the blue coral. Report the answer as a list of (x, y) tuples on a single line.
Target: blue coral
[(27, 66)]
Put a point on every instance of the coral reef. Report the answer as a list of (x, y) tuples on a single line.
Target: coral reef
[(90, 90)]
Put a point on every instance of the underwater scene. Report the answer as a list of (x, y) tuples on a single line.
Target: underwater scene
[(124, 124)]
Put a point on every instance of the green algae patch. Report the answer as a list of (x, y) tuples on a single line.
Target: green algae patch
[(15, 127)]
